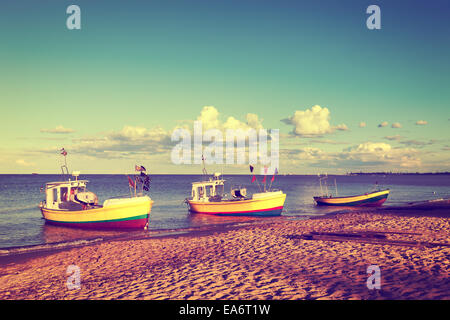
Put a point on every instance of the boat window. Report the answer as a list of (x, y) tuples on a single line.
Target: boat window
[(55, 194), (63, 194), (200, 192), (219, 189), (209, 191)]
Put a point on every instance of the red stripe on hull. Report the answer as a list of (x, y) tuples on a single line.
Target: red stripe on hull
[(126, 224), (276, 209)]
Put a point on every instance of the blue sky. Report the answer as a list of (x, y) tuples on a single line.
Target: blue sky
[(157, 64)]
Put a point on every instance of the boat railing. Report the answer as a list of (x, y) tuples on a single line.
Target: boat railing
[(139, 194)]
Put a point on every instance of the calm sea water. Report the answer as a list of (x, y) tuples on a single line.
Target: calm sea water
[(21, 223)]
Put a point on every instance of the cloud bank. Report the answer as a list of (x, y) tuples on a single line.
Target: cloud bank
[(58, 130), (312, 122)]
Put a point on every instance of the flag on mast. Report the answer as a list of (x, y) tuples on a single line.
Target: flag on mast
[(253, 177), (274, 173), (130, 182), (139, 168), (265, 174), (63, 152)]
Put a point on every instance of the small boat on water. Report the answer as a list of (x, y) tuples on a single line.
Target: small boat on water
[(208, 198), (69, 203), (370, 199)]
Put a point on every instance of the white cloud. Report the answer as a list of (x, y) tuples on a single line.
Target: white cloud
[(310, 153), (210, 118), (341, 127), (58, 130), (362, 124), (312, 122), (24, 163), (253, 121), (137, 141), (396, 137), (396, 125), (383, 154), (421, 122), (131, 140), (370, 147), (383, 124), (367, 155)]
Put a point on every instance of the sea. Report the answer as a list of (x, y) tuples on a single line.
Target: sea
[(22, 228)]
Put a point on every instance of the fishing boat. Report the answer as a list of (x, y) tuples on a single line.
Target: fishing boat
[(69, 203), (370, 199), (208, 198)]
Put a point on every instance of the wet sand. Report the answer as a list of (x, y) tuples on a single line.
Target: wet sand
[(283, 258)]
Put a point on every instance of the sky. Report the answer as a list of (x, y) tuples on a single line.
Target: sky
[(344, 97)]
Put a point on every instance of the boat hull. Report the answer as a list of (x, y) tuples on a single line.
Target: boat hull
[(373, 199), (267, 206), (133, 213)]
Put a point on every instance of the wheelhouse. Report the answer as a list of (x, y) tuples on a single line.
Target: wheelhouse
[(208, 190), (58, 194)]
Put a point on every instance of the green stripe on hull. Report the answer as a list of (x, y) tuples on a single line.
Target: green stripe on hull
[(144, 216)]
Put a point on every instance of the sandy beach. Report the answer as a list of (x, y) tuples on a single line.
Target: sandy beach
[(283, 258)]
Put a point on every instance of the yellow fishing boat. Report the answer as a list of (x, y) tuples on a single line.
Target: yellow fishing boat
[(208, 198), (68, 203)]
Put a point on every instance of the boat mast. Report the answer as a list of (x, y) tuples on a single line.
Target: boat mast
[(320, 183), (64, 153), (324, 178), (204, 168)]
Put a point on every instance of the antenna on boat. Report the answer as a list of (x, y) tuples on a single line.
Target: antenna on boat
[(325, 183), (320, 183), (204, 168)]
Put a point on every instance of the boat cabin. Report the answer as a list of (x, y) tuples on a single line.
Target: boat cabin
[(68, 195), (208, 190)]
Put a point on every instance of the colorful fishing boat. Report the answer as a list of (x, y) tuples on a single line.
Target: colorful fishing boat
[(371, 199), (69, 203), (208, 198)]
